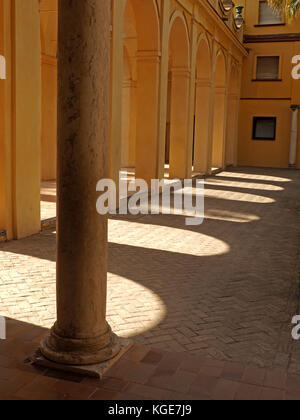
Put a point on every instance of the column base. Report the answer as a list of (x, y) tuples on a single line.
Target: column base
[(58, 348), (97, 370)]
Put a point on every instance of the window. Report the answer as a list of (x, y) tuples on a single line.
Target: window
[(264, 128), (267, 68), (267, 16)]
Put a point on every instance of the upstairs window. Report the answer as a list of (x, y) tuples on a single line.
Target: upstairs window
[(267, 16), (267, 68)]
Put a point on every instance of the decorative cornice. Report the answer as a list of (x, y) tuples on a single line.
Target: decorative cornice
[(214, 15)]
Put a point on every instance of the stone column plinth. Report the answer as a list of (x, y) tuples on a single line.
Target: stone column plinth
[(81, 335)]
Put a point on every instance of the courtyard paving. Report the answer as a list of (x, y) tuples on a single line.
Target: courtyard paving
[(226, 290)]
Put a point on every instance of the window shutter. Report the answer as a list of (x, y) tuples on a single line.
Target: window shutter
[(267, 68), (267, 16)]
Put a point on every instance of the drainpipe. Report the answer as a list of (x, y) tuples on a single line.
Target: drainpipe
[(294, 136)]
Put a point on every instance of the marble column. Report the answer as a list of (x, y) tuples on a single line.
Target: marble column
[(81, 335)]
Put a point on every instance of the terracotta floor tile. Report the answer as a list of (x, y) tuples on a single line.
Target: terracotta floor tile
[(133, 372), (179, 382), (104, 395), (214, 371), (293, 396), (293, 383), (192, 363), (170, 363), (233, 371), (225, 390), (153, 357), (203, 385), (254, 375), (276, 379), (146, 391), (66, 376), (113, 384), (248, 392), (272, 394), (40, 388), (73, 390), (137, 353)]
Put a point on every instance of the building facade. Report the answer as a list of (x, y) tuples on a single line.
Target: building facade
[(270, 95), (186, 94)]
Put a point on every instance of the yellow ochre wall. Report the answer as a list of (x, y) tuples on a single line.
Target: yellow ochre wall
[(20, 94), (267, 98), (2, 145)]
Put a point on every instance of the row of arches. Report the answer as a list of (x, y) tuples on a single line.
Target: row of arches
[(211, 142), (175, 93)]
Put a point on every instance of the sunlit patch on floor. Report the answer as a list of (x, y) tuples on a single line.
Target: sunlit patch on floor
[(164, 238), (253, 176), (231, 216), (238, 196), (132, 309), (248, 185)]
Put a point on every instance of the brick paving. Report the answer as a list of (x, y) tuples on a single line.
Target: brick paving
[(224, 291)]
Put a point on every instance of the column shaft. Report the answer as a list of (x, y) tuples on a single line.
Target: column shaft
[(81, 334)]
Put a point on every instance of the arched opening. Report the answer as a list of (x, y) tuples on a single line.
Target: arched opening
[(203, 108), (128, 114), (48, 33), (218, 148), (49, 89), (232, 117), (178, 99), (140, 88)]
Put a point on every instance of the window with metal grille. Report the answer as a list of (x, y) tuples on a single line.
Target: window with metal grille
[(264, 128)]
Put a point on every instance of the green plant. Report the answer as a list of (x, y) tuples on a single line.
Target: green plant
[(292, 7)]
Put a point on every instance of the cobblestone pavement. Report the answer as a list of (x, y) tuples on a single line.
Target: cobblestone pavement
[(227, 289)]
